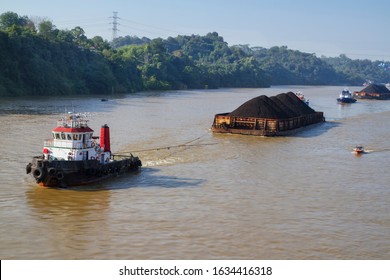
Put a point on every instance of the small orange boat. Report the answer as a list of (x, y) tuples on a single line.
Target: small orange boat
[(358, 150)]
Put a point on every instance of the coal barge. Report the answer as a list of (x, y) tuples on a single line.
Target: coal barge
[(278, 115), (75, 157), (373, 91)]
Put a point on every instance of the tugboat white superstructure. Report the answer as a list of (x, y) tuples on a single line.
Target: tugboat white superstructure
[(346, 97), (75, 157)]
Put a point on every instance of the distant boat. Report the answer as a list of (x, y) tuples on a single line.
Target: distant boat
[(367, 83), (300, 95), (104, 99), (346, 97), (358, 150)]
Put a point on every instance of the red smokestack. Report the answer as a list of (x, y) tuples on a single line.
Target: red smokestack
[(105, 138)]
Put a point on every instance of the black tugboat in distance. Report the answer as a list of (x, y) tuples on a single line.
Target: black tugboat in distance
[(75, 157)]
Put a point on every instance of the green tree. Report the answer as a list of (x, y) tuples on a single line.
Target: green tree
[(8, 19), (99, 44), (79, 36), (46, 29)]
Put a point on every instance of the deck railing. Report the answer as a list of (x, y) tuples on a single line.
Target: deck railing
[(63, 144)]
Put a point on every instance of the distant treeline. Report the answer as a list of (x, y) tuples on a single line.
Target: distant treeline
[(36, 58)]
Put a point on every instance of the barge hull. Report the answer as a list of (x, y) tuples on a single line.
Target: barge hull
[(262, 132), (225, 123)]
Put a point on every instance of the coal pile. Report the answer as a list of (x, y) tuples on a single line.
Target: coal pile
[(374, 88), (281, 106)]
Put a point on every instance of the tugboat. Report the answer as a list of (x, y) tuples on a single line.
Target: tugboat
[(300, 95), (346, 97), (75, 157)]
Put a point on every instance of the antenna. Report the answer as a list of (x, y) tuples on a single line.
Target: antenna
[(114, 25)]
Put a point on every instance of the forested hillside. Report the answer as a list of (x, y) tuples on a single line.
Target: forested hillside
[(39, 59), (357, 70)]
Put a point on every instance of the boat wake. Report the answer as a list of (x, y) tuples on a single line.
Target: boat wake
[(369, 151), (378, 150), (161, 162), (173, 154)]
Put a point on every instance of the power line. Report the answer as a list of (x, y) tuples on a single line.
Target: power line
[(159, 31), (150, 26)]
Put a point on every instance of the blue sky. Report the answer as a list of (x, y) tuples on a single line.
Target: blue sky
[(359, 29)]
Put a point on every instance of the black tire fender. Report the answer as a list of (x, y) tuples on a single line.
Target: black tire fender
[(52, 171), (38, 173), (60, 175)]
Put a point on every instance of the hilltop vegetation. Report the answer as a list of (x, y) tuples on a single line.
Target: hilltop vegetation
[(39, 59)]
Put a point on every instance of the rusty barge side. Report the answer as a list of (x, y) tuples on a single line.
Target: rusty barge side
[(225, 123)]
